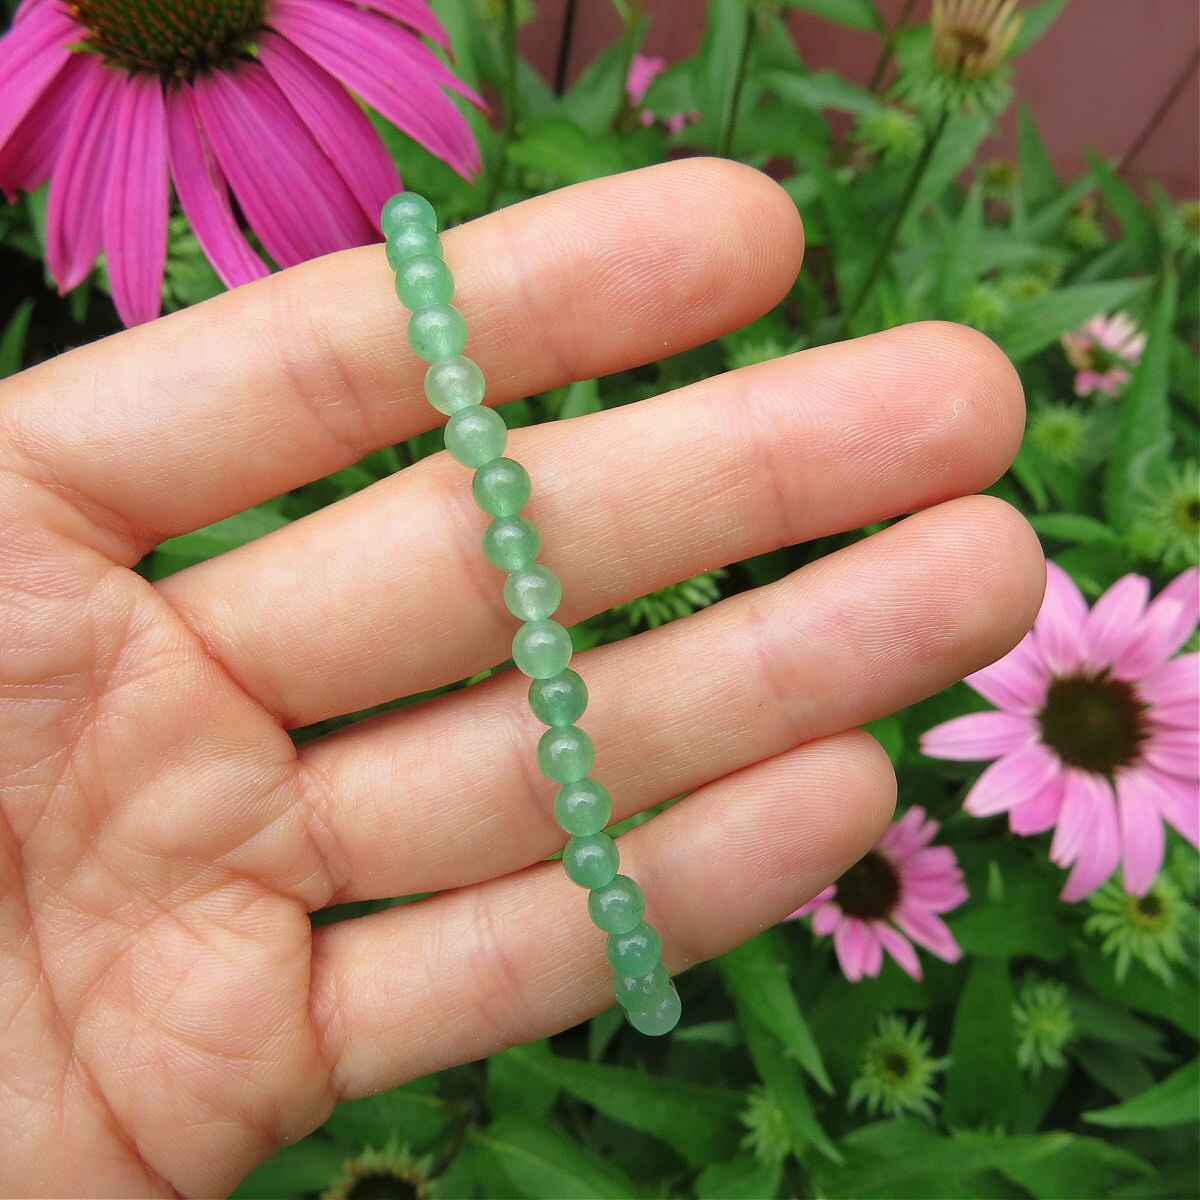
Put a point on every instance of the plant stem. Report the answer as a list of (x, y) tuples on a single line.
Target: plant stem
[(739, 81), (564, 48), (889, 46), (889, 238), (510, 102)]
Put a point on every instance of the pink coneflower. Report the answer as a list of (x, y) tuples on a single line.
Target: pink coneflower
[(898, 888), (1102, 352), (1096, 735), (105, 97), (644, 69)]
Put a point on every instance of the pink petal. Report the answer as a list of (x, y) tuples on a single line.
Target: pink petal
[(416, 14), (822, 897), (643, 70), (1112, 623), (203, 194), (899, 947), (31, 55), (872, 959), (1142, 839), (907, 835), (135, 210), (1172, 691), (1082, 792), (80, 178), (928, 930), (1058, 630), (1098, 848), (826, 919), (1176, 751), (1018, 681), (1011, 780), (979, 736), (1166, 625), (1178, 801), (1041, 812), (338, 124), (851, 943), (290, 192), (390, 69)]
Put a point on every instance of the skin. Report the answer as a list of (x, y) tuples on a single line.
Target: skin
[(168, 1016)]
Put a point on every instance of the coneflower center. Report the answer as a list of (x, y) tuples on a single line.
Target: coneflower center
[(896, 1065), (1093, 722), (170, 38), (870, 889), (381, 1185)]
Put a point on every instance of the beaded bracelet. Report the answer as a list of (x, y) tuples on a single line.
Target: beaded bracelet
[(541, 649)]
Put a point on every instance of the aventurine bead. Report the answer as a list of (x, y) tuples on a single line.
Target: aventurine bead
[(404, 208), (511, 543), (565, 754), (532, 594), (640, 991), (591, 861), (660, 1016), (637, 952), (541, 649), (583, 807), (410, 241), (437, 333), (454, 384), (502, 486), (424, 281), (559, 700), (476, 435), (618, 906)]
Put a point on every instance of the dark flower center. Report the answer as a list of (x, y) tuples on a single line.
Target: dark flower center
[(1150, 907), (169, 38), (896, 1065), (381, 1185), (1191, 514), (870, 888), (970, 41), (1093, 722)]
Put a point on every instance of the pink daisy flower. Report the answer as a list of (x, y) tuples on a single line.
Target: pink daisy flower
[(1096, 735), (644, 69), (1102, 351), (898, 888), (109, 98)]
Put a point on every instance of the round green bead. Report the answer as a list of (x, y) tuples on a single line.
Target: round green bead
[(532, 594), (618, 907), (501, 487), (412, 241), (476, 435), (437, 333), (640, 991), (541, 649), (560, 700), (511, 543), (583, 807), (591, 861), (406, 208), (637, 952), (566, 754), (660, 1016), (454, 384), (424, 281)]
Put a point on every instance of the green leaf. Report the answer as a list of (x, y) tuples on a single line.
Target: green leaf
[(1115, 1068), (1041, 322), (1035, 20), (582, 397), (1039, 179), (1141, 990), (889, 733), (854, 14), (1173, 1101), (1112, 1023), (741, 1178), (597, 95), (1024, 921), (821, 90), (545, 1164), (514, 1088), (716, 69), (1075, 1166), (12, 340), (414, 1114), (559, 148), (311, 1165), (851, 235), (983, 1045), (756, 974), (189, 548), (960, 257), (1137, 224), (1073, 527), (602, 1028), (1144, 437), (952, 155)]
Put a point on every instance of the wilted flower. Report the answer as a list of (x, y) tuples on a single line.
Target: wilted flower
[(105, 98), (1043, 1022), (1167, 525), (769, 1134), (898, 888), (1096, 735), (898, 1071), (1102, 351), (1000, 176), (1149, 929), (1060, 432)]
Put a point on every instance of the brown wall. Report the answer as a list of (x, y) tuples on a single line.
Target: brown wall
[(1094, 81)]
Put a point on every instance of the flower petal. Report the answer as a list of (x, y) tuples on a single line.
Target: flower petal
[(851, 944), (1040, 813), (904, 837), (899, 947), (1142, 839), (290, 192), (1166, 625), (1176, 751), (823, 896), (1112, 623), (1177, 800), (1172, 691), (979, 736), (1011, 780), (1058, 630), (826, 919), (32, 53), (1018, 681), (134, 225), (872, 959), (1097, 845), (929, 930), (416, 14)]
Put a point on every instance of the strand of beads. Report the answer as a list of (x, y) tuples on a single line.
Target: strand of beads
[(541, 649)]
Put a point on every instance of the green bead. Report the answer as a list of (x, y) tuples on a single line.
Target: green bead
[(560, 700), (501, 487), (511, 543), (583, 807), (454, 384), (412, 241), (637, 952), (476, 435), (640, 991), (591, 861), (541, 648), (618, 907), (437, 333), (424, 281), (660, 1016), (405, 208), (532, 594), (565, 754)]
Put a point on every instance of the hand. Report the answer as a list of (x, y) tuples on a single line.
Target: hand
[(168, 1016)]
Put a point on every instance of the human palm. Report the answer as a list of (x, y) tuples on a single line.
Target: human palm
[(168, 1015)]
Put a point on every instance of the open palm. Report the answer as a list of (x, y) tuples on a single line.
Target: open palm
[(168, 1015)]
